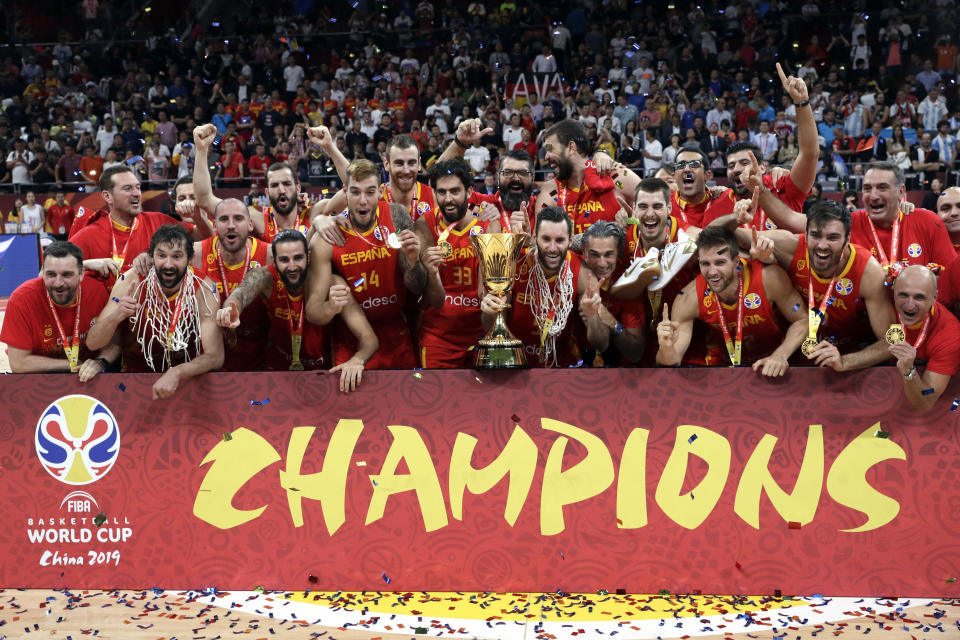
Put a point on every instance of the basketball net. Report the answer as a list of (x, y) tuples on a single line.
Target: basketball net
[(541, 303), (154, 318)]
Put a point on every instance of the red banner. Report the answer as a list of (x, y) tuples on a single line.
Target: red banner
[(685, 480)]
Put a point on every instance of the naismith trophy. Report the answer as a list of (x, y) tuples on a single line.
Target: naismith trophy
[(497, 257)]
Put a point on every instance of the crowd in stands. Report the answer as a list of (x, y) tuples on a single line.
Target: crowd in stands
[(882, 85)]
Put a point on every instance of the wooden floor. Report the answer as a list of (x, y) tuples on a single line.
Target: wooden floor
[(156, 614)]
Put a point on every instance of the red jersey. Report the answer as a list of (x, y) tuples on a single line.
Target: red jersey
[(761, 330), (60, 218), (784, 189), (629, 313), (690, 213), (524, 323), (257, 163), (372, 271), (653, 302), (271, 228), (846, 323), (596, 199), (423, 199), (286, 311), (29, 324), (104, 237), (940, 350), (244, 346), (446, 334), (923, 238), (948, 287), (134, 360)]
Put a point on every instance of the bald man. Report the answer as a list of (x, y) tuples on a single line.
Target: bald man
[(948, 208), (926, 342)]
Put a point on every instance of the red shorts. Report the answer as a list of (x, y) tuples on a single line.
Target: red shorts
[(396, 346)]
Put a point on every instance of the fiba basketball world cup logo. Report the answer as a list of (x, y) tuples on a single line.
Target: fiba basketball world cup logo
[(77, 439)]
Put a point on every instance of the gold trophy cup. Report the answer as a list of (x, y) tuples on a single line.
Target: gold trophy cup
[(497, 257)]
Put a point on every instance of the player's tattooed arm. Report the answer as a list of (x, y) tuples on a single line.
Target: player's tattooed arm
[(415, 275), (257, 282)]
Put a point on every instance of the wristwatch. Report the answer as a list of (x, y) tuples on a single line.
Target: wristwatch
[(912, 375)]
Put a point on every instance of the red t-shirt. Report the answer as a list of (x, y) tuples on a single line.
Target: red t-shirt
[(231, 170), (244, 346), (784, 189), (29, 325), (690, 213), (846, 323), (271, 228), (923, 238), (762, 333), (446, 334), (940, 350), (524, 325), (98, 238), (257, 163), (285, 310), (948, 287), (372, 271), (60, 218)]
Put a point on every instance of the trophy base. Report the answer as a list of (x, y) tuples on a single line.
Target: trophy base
[(500, 357)]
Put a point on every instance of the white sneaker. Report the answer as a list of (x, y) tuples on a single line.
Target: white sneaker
[(638, 276), (675, 256)]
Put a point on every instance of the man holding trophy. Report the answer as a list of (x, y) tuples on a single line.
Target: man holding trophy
[(550, 282)]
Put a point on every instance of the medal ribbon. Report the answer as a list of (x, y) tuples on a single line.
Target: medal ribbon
[(734, 350), (894, 243), (296, 335), (120, 256), (923, 333), (223, 272), (815, 315), (177, 308), (71, 348)]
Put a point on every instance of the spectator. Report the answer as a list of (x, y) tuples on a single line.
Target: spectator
[(43, 169), (91, 167), (946, 146), (931, 197), (932, 110), (60, 215), (652, 153), (18, 162)]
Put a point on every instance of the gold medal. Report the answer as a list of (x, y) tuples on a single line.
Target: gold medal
[(296, 365), (73, 357), (446, 249), (808, 346), (296, 340), (393, 241), (895, 334)]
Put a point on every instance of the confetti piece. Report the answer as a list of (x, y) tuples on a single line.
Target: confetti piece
[(420, 630), (417, 375), (664, 592), (794, 525), (100, 519), (386, 578), (951, 580), (259, 589), (560, 553), (738, 566), (116, 299), (796, 307), (312, 578), (260, 403), (777, 593), (621, 592), (122, 387), (692, 438), (361, 463), (358, 283), (927, 392), (882, 434), (515, 418), (227, 437), (603, 592), (955, 405)]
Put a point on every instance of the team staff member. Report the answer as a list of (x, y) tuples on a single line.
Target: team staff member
[(380, 261), (47, 319), (447, 332), (124, 230), (735, 298), (60, 217), (948, 208), (892, 236), (926, 341), (226, 259), (550, 281), (578, 189)]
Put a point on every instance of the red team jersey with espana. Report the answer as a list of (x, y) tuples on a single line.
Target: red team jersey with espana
[(271, 228), (422, 202), (845, 323), (446, 334), (244, 348), (286, 310), (761, 330), (596, 199), (372, 271)]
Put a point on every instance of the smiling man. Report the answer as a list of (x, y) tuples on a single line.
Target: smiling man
[(926, 342), (948, 208), (735, 299), (891, 236), (226, 259), (173, 328), (550, 281), (47, 318), (403, 167)]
